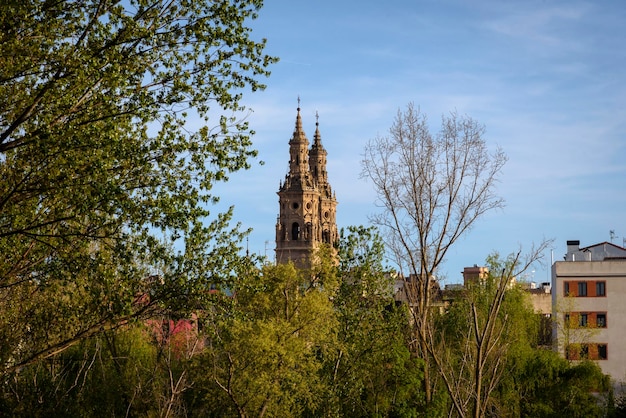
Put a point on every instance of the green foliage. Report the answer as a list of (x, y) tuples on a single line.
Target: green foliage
[(549, 386), (538, 382), (328, 341), (264, 347), (371, 371), (524, 379), (106, 186), (361, 248), (113, 374)]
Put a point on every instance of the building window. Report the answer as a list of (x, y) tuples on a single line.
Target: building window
[(584, 351), (600, 288), (582, 320), (601, 320), (567, 321), (295, 231), (582, 288)]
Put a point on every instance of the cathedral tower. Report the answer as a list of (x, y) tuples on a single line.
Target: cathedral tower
[(307, 205)]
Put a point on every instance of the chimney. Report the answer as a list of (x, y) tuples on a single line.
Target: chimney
[(573, 246), (573, 251)]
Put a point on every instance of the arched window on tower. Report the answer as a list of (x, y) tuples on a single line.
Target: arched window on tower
[(295, 231), (326, 236)]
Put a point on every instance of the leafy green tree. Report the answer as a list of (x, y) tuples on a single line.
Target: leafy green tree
[(550, 387), (115, 373), (538, 382), (266, 344), (371, 371), (106, 186)]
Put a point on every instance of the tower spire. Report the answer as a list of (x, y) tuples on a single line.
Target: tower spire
[(298, 149), (317, 156), (317, 138), (298, 129), (307, 217)]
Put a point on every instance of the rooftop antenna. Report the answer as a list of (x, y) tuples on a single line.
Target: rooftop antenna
[(612, 235)]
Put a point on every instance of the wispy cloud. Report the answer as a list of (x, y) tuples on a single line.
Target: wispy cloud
[(538, 24)]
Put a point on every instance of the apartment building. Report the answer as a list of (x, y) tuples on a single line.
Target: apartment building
[(588, 306)]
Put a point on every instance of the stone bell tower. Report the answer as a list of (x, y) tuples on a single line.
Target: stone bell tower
[(307, 204)]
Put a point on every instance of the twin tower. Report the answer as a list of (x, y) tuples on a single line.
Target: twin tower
[(308, 206)]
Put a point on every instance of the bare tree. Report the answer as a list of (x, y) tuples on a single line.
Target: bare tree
[(432, 187)]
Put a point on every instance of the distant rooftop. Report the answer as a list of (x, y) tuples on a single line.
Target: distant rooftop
[(597, 252)]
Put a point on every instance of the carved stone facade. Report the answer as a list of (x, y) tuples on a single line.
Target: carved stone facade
[(308, 206)]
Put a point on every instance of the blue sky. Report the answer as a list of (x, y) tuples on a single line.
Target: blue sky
[(546, 78)]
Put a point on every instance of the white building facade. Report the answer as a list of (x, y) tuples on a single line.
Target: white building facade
[(589, 306)]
